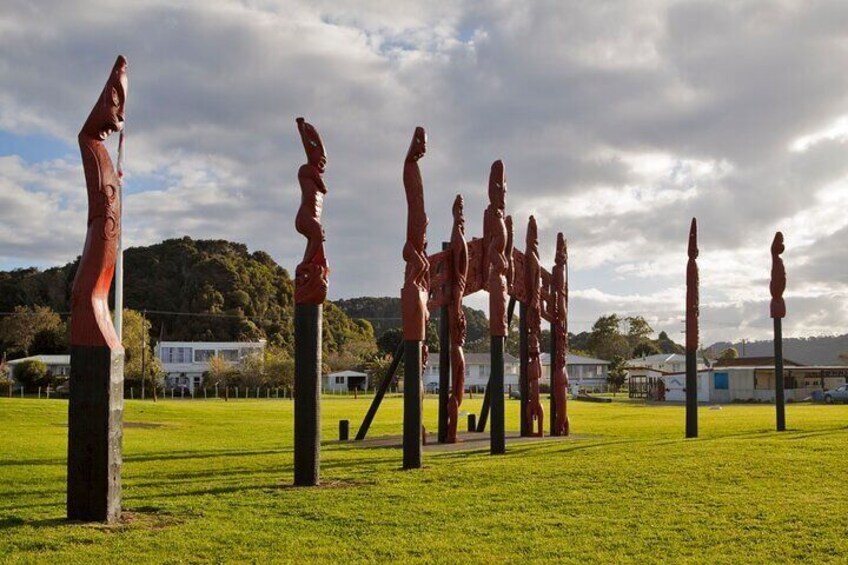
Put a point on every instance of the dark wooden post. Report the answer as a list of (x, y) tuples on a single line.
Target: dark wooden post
[(778, 312), (380, 393), (307, 393), (310, 291), (692, 310), (496, 384), (414, 295), (412, 405), (96, 405), (444, 366)]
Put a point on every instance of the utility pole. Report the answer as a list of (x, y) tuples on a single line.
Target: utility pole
[(143, 349)]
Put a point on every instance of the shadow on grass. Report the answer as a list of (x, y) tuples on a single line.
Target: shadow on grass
[(17, 522)]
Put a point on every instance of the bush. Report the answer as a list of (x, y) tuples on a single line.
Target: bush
[(32, 373)]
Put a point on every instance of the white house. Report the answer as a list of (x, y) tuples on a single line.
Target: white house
[(477, 369), (184, 362), (583, 372), (345, 381), (57, 365)]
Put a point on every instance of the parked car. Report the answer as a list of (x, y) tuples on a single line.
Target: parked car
[(838, 394), (432, 387), (515, 394)]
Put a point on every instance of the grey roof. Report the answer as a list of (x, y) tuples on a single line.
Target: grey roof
[(347, 374), (573, 359), (657, 359), (46, 359)]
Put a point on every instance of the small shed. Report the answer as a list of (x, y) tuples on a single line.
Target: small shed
[(345, 381)]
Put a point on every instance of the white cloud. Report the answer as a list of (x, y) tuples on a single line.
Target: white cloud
[(618, 122)]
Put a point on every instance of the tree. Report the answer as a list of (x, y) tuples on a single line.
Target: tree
[(645, 348), (729, 353), (279, 368), (19, 329), (617, 373), (355, 353), (220, 372), (389, 340), (638, 330), (606, 341), (32, 373), (378, 369), (666, 345), (136, 342)]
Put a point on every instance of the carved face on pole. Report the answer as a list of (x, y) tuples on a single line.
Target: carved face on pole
[(497, 185), (561, 251), (107, 116), (532, 236), (316, 155), (777, 246), (693, 239), (418, 146), (458, 216)]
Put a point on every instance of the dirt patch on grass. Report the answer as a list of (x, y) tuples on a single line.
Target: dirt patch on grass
[(142, 425)]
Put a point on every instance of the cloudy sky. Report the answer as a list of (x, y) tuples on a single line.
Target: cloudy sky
[(618, 122)]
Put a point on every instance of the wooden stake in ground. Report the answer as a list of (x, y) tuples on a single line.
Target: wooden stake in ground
[(692, 311), (311, 281), (96, 404), (778, 312)]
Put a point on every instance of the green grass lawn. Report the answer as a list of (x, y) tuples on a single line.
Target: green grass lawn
[(210, 483)]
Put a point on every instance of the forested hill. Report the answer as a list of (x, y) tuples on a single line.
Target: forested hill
[(194, 290), (824, 350), (384, 314)]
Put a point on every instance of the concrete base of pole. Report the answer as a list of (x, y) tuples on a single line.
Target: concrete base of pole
[(496, 397), (307, 393), (95, 433), (413, 398)]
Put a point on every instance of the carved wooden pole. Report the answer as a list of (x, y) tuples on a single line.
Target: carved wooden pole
[(692, 306), (559, 338), (494, 231), (310, 291), (458, 324), (778, 312), (533, 276), (95, 409), (414, 296), (444, 366)]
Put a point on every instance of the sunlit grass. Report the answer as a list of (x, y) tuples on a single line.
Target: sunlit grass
[(210, 483)]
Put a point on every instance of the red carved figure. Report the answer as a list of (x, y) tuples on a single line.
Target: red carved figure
[(692, 300), (416, 282), (495, 236), (778, 278), (510, 271), (91, 323), (559, 376), (311, 275), (533, 279), (456, 316)]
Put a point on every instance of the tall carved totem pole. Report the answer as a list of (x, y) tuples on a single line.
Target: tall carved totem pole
[(416, 287), (533, 281), (495, 237), (310, 291), (559, 371), (778, 312), (95, 410), (692, 312), (456, 316)]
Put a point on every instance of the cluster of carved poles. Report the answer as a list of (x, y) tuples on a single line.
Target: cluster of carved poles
[(95, 410)]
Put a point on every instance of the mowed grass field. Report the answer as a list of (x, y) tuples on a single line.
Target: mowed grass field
[(208, 481)]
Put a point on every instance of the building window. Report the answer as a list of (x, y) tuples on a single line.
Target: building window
[(721, 381), (203, 355), (340, 380), (176, 355), (229, 354)]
